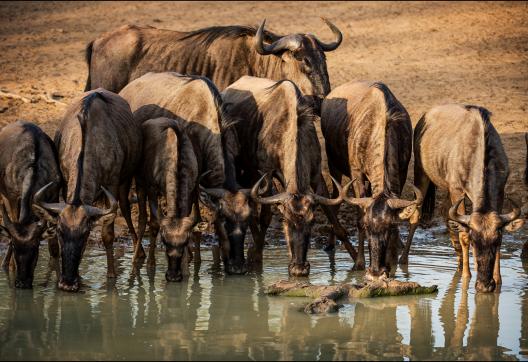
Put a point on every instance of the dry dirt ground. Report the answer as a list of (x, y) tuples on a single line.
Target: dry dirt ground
[(427, 53)]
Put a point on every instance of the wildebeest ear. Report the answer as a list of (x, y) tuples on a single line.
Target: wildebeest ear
[(458, 227), (408, 212), (514, 225)]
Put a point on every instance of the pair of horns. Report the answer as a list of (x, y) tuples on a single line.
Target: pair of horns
[(283, 196), (464, 219), (394, 203), (92, 211), (293, 42)]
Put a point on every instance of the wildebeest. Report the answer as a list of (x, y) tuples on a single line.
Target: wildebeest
[(276, 131), (368, 136), (99, 146), (221, 53), (28, 161), (168, 169), (457, 149), (196, 101)]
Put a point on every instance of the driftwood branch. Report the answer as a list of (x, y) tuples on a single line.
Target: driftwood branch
[(46, 98), (325, 297)]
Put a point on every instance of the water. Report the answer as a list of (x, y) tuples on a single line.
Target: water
[(211, 316)]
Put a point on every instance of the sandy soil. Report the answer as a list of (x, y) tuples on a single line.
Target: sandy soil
[(427, 53)]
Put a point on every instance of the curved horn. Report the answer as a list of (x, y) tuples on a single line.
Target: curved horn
[(55, 208), (363, 202), (328, 47), (286, 42), (401, 203), (7, 220), (514, 214), (98, 212), (455, 216), (279, 176), (332, 202), (214, 192), (274, 199)]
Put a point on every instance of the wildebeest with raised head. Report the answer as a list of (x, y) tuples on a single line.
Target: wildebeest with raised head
[(457, 149), (276, 131), (368, 136), (28, 161), (99, 146), (169, 170), (221, 53), (196, 101)]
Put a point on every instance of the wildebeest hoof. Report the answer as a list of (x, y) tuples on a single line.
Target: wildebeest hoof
[(485, 287), (299, 270), (236, 269), (111, 275), (69, 287), (173, 277)]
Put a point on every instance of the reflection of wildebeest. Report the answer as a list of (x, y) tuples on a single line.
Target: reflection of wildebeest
[(276, 131), (99, 147), (457, 149), (28, 161), (221, 53), (368, 137), (196, 101), (169, 169)]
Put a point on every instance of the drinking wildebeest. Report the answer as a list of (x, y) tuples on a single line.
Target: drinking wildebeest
[(368, 136), (196, 101), (457, 149), (221, 53), (276, 131), (168, 169), (99, 145), (28, 161)]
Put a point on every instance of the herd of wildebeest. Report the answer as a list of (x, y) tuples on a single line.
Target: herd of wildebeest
[(227, 116)]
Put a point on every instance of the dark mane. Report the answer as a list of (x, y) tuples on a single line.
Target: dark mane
[(208, 36)]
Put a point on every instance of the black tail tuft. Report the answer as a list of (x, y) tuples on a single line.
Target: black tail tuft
[(88, 57), (428, 205)]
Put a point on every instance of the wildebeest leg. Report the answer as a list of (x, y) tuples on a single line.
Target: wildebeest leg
[(154, 227), (7, 257), (223, 242), (124, 205), (197, 235), (139, 252), (54, 251), (463, 237), (107, 233), (360, 191), (524, 252), (421, 181)]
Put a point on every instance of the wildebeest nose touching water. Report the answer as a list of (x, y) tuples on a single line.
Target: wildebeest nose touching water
[(241, 151)]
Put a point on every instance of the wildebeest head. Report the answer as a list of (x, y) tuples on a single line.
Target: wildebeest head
[(298, 213), (25, 239), (232, 212), (381, 215), (303, 59), (175, 234), (74, 223), (485, 233)]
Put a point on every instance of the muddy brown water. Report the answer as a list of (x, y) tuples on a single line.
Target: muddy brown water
[(212, 316)]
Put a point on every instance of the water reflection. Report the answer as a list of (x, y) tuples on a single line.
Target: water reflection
[(209, 316)]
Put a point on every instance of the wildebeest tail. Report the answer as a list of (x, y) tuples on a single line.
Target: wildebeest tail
[(428, 205), (88, 57)]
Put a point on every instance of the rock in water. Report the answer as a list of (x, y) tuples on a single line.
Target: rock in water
[(325, 297)]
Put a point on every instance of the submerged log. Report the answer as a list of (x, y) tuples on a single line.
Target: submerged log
[(325, 297)]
